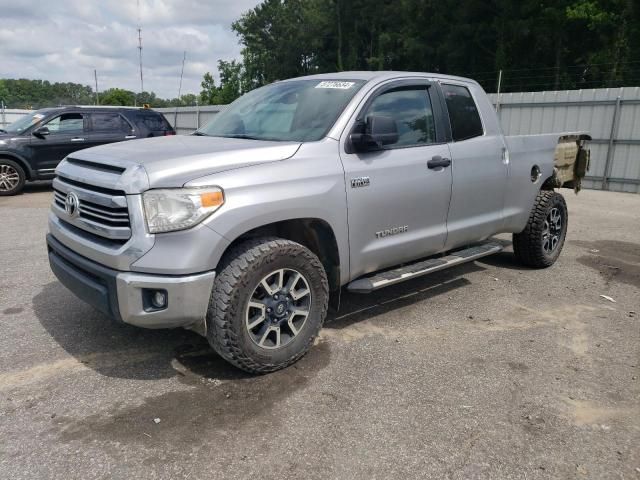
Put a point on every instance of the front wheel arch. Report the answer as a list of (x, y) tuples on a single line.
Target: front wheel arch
[(313, 233), (20, 161)]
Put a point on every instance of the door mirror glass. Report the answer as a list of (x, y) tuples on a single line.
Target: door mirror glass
[(41, 132), (374, 133)]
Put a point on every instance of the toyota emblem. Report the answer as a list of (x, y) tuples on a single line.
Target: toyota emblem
[(72, 204)]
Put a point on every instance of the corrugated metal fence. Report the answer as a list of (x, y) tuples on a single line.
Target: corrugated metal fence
[(188, 119), (612, 116)]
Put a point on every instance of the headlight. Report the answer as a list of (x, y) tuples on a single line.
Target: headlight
[(180, 208)]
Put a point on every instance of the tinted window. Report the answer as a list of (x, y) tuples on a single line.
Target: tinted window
[(109, 122), (463, 113), (66, 123), (153, 122), (411, 109)]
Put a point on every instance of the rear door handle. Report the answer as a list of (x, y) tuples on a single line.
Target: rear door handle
[(128, 137), (77, 139), (437, 161)]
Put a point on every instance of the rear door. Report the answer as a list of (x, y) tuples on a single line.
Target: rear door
[(153, 124), (109, 127), (67, 133), (479, 166), (397, 205)]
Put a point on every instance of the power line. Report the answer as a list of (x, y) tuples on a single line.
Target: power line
[(583, 65)]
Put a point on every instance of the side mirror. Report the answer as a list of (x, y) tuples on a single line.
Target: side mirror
[(374, 133), (41, 132)]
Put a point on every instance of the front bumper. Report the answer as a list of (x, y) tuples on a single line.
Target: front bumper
[(122, 295)]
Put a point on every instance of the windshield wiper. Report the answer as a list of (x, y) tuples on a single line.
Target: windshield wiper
[(2, 130), (200, 134), (240, 135)]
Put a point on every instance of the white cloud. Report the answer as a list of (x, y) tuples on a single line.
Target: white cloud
[(67, 40)]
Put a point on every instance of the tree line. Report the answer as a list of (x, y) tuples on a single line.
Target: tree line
[(24, 93), (537, 44)]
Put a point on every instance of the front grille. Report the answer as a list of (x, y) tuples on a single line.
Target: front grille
[(102, 212), (112, 217)]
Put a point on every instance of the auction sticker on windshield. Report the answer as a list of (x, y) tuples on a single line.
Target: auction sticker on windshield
[(334, 84)]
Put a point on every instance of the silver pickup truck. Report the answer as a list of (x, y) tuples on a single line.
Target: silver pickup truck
[(245, 230)]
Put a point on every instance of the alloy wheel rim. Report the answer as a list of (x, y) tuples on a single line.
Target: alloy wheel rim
[(278, 309), (9, 178), (552, 230)]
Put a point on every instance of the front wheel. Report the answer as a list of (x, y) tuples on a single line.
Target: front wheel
[(268, 303), (540, 243), (12, 177)]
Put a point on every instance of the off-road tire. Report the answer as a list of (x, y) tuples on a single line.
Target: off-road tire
[(241, 269), (528, 244), (22, 178)]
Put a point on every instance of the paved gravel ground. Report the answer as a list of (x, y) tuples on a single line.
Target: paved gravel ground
[(489, 370)]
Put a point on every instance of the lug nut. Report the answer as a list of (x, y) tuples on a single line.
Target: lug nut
[(275, 297)]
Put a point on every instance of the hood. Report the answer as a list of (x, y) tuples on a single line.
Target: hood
[(7, 136), (175, 160)]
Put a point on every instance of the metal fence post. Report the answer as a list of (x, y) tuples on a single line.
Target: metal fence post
[(608, 165)]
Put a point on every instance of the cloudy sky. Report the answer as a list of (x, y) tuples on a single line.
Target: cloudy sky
[(66, 40)]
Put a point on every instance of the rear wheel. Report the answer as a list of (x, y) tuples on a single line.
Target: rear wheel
[(540, 243), (12, 177), (268, 304)]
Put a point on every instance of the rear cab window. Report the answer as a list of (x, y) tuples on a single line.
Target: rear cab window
[(463, 113)]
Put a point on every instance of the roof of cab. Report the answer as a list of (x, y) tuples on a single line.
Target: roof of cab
[(380, 75)]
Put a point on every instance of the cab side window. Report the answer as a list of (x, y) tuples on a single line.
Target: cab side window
[(411, 109), (66, 123), (463, 113)]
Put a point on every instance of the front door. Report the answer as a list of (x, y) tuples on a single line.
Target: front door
[(397, 205), (67, 134)]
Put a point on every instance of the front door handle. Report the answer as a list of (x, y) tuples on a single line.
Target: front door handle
[(77, 139), (437, 161)]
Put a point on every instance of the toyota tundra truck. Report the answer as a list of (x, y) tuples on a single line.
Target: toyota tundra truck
[(248, 229)]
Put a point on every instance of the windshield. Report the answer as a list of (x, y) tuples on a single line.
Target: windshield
[(25, 122), (297, 110)]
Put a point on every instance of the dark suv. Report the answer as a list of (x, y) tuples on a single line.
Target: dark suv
[(32, 147)]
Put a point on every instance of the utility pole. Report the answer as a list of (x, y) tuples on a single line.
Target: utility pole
[(175, 115), (140, 56), (135, 102), (498, 95), (95, 74)]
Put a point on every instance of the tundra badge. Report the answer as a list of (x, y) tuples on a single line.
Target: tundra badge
[(392, 231)]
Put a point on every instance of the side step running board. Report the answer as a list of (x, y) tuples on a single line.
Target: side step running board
[(423, 267)]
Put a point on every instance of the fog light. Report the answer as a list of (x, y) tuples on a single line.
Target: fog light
[(159, 299)]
